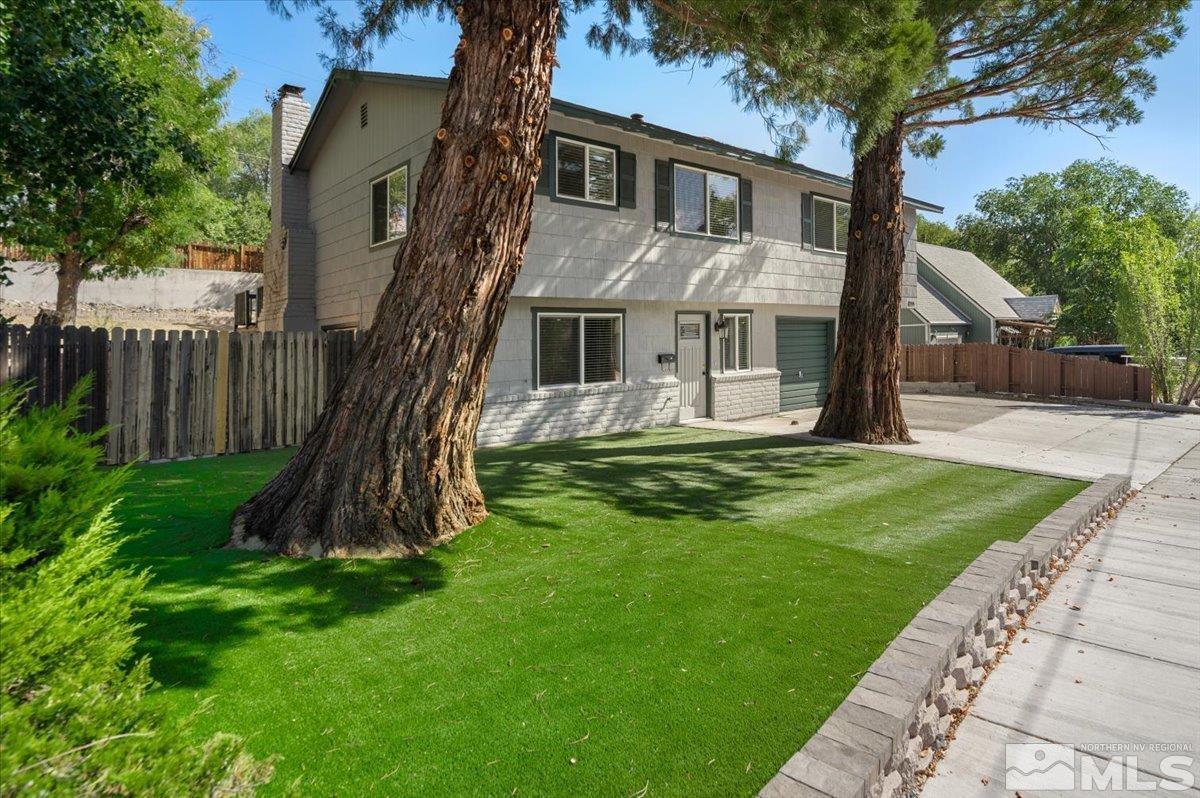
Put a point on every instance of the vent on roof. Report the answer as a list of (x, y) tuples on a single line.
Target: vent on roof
[(362, 115)]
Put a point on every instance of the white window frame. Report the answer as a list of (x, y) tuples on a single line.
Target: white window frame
[(579, 316), (371, 206), (731, 335), (587, 171), (835, 203), (737, 204)]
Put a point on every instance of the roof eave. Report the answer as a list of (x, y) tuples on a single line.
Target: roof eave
[(597, 116)]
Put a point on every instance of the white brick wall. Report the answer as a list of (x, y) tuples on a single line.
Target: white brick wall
[(575, 412), (742, 394)]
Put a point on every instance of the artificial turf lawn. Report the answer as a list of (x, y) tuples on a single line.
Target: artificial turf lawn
[(662, 613)]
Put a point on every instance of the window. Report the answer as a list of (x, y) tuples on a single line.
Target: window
[(706, 202), (389, 207), (831, 224), (586, 172), (579, 348), (736, 345)]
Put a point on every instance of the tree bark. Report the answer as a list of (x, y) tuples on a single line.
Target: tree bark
[(389, 468), (864, 387), (70, 276)]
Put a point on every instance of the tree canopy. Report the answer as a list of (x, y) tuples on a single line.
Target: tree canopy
[(1158, 304), (241, 190), (1056, 233), (935, 231), (108, 123)]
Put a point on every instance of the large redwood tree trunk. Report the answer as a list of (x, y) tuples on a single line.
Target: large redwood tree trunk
[(389, 468), (864, 386)]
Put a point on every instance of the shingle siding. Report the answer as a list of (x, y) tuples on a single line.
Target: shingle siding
[(579, 257)]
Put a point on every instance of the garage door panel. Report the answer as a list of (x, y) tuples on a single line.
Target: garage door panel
[(802, 346)]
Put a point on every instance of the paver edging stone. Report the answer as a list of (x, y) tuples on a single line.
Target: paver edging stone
[(891, 726)]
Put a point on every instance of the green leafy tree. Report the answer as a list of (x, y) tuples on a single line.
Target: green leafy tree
[(107, 133), (242, 192), (917, 70), (1158, 304), (1053, 233), (75, 718), (932, 231)]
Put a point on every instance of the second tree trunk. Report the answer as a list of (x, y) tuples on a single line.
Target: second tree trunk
[(864, 386)]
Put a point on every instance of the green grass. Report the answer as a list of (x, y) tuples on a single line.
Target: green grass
[(673, 612)]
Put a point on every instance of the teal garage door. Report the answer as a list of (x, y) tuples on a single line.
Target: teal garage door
[(802, 351)]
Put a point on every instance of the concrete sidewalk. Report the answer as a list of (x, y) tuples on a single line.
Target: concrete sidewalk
[(1110, 662), (1083, 442)]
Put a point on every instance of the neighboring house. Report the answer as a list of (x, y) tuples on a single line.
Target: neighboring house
[(668, 277), (960, 299)]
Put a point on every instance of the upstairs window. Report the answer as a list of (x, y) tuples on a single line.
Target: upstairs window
[(736, 348), (389, 207), (831, 224), (579, 348), (706, 203), (586, 172)]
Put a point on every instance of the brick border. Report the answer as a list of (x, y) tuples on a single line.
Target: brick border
[(893, 722)]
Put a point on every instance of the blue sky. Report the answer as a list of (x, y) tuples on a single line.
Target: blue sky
[(267, 50)]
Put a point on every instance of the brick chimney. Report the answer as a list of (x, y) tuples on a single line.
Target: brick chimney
[(289, 263)]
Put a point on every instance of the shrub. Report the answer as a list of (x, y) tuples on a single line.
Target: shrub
[(74, 719)]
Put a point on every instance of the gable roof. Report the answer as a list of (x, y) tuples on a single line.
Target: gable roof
[(1035, 308), (973, 277), (341, 82), (935, 308)]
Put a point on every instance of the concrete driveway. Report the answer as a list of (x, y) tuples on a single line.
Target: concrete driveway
[(1084, 442)]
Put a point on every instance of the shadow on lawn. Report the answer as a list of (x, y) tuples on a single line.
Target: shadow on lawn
[(725, 478), (201, 607), (207, 599)]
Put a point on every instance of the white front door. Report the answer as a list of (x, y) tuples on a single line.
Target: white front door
[(691, 343)]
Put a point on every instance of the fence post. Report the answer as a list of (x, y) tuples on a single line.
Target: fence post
[(220, 395)]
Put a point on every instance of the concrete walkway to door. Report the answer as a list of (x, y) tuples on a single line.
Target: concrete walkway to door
[(1080, 441)]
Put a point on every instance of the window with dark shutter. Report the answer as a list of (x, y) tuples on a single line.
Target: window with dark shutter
[(586, 172), (706, 202), (831, 224), (579, 348)]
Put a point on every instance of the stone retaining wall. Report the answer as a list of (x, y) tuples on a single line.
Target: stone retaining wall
[(890, 727)]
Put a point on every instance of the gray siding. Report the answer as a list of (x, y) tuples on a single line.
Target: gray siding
[(350, 273), (574, 251)]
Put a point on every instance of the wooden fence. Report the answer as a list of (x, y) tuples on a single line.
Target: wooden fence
[(166, 395), (1006, 369), (191, 256), (222, 258)]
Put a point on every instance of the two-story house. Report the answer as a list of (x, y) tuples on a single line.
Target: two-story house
[(668, 277)]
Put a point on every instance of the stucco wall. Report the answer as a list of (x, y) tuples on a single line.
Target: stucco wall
[(166, 289)]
